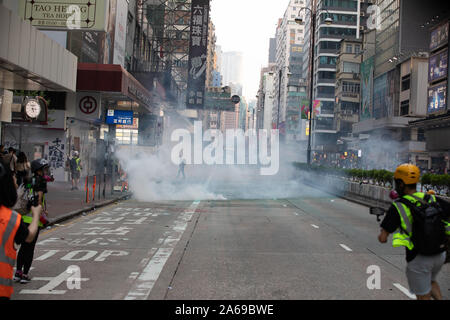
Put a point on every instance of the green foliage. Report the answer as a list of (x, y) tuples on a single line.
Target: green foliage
[(380, 177)]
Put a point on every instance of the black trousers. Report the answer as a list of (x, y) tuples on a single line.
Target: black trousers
[(26, 254)]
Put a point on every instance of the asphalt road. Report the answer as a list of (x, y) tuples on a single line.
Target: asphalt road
[(308, 246)]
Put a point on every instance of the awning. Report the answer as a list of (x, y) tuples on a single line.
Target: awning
[(108, 78)]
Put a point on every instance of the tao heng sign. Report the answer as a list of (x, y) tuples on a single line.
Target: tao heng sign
[(195, 97)]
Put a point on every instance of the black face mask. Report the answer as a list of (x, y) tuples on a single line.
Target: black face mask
[(400, 188)]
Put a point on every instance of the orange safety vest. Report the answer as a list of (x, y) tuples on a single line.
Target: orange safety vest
[(9, 224)]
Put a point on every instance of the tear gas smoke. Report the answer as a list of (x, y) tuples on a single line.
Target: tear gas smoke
[(153, 177)]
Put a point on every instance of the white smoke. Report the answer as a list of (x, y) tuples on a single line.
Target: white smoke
[(153, 177)]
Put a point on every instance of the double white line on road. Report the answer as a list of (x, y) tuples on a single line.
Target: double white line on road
[(146, 280)]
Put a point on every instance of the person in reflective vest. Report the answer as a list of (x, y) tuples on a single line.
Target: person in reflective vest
[(37, 191), (422, 269), (75, 170), (13, 230)]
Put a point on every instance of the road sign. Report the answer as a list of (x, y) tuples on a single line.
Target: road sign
[(235, 99)]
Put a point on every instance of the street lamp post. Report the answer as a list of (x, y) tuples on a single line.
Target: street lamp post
[(299, 20)]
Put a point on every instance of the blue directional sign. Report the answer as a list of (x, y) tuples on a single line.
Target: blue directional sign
[(119, 117)]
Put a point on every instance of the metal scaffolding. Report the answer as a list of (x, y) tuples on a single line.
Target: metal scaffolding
[(166, 25)]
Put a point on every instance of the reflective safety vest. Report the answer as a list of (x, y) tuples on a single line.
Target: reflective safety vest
[(403, 237), (77, 161), (28, 218), (9, 224)]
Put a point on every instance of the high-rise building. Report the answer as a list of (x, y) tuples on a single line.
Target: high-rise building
[(348, 21), (232, 66), (273, 50), (288, 34)]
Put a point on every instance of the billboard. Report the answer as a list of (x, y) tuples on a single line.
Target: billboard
[(437, 98), (439, 37), (386, 94), (367, 68), (81, 15), (438, 66), (195, 98)]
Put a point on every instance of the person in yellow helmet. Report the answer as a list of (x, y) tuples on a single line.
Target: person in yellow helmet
[(423, 265)]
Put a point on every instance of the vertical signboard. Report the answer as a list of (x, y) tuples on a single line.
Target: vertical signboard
[(367, 68), (120, 32), (198, 54)]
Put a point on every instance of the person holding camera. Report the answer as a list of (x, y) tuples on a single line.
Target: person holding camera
[(13, 231), (37, 192)]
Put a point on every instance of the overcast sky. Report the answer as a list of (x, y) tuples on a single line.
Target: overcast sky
[(247, 26)]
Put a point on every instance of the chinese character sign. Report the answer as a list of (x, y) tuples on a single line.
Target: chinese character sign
[(198, 54)]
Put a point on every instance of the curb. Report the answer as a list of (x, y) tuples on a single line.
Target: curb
[(76, 213)]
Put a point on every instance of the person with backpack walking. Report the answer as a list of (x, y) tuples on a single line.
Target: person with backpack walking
[(37, 192), (420, 223)]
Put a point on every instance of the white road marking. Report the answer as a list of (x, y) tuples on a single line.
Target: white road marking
[(144, 283), (50, 253), (405, 291), (345, 247), (314, 226)]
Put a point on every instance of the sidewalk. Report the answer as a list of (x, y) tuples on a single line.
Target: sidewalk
[(63, 204)]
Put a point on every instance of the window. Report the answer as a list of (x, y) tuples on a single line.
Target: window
[(348, 48), (350, 87), (357, 48), (404, 108), (351, 67), (406, 82), (421, 135), (327, 60)]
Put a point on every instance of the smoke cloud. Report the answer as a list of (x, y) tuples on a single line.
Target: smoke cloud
[(153, 177)]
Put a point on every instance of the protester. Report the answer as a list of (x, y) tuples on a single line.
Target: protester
[(415, 228), (23, 168), (13, 230), (10, 159), (38, 190), (75, 170)]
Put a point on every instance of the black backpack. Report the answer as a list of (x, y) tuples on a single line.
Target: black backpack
[(429, 237)]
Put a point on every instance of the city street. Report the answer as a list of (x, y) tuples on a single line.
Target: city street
[(314, 246)]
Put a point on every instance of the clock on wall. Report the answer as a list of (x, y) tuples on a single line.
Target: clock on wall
[(31, 108)]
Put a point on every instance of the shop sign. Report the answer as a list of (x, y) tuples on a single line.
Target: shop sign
[(65, 14)]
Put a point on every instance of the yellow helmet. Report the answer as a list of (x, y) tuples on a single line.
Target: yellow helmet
[(431, 192), (408, 173)]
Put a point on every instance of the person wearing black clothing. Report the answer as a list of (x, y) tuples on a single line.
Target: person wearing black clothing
[(392, 222), (26, 252), (24, 233), (422, 267)]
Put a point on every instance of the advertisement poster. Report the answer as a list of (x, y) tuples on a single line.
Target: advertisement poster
[(439, 37), (198, 54), (367, 68), (437, 98), (386, 94), (438, 67)]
